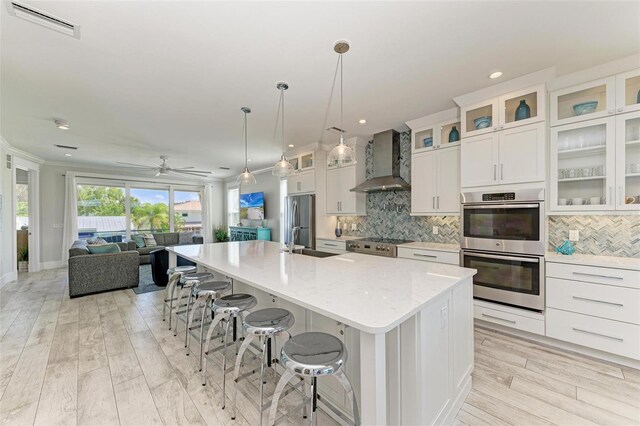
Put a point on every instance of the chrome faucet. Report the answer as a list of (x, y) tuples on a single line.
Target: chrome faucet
[(292, 238)]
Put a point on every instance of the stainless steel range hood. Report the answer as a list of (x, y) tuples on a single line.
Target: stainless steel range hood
[(386, 165)]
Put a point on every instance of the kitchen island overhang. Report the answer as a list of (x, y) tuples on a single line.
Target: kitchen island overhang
[(409, 315)]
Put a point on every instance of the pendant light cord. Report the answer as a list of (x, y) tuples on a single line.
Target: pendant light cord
[(326, 113), (341, 123), (282, 103), (244, 129)]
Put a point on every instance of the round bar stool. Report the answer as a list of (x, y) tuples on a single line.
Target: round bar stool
[(264, 325), (202, 295), (187, 281), (313, 355), (174, 276), (225, 308)]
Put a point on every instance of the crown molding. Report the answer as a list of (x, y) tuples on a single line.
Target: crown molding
[(20, 153)]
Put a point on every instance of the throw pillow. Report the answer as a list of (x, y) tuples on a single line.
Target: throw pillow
[(139, 239), (103, 248), (149, 241), (185, 238), (96, 241)]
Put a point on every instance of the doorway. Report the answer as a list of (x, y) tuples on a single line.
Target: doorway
[(26, 242), (22, 219)]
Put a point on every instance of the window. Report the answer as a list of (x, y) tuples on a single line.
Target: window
[(187, 211), (101, 212), (283, 201), (149, 210), (233, 206)]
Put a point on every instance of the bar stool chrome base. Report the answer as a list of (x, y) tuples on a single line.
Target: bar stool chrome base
[(264, 325), (174, 276), (314, 355), (202, 295), (187, 281)]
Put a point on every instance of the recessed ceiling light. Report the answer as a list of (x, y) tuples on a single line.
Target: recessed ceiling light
[(61, 124), (291, 145), (362, 121), (496, 74), (67, 155)]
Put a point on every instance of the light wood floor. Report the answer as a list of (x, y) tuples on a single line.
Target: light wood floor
[(110, 359)]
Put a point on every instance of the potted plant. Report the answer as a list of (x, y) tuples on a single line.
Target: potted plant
[(23, 259), (220, 233)]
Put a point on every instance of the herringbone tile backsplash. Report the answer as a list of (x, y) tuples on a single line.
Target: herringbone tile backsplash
[(603, 235)]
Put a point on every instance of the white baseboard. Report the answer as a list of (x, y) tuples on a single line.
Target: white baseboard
[(51, 265), (8, 277)]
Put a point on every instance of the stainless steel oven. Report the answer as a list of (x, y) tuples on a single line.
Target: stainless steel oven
[(509, 222), (512, 279)]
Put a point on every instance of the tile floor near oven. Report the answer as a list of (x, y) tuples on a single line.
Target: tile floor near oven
[(110, 359)]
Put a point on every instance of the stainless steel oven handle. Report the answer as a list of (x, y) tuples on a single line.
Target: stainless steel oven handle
[(501, 206), (597, 301), (491, 256), (619, 339), (498, 318)]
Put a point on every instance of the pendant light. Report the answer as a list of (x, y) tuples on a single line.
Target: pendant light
[(246, 177), (341, 154), (282, 168)]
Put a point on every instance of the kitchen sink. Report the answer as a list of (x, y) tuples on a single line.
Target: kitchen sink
[(316, 253)]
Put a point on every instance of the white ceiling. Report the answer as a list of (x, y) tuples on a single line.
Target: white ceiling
[(169, 77)]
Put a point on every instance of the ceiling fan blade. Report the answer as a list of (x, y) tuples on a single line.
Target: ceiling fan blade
[(191, 171), (182, 168), (136, 165), (188, 173)]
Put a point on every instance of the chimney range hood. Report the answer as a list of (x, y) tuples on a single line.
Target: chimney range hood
[(386, 165)]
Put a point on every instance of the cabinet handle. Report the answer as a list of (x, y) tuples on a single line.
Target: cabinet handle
[(498, 318), (438, 202), (620, 109), (610, 201), (619, 339), (495, 127), (299, 185), (494, 171), (501, 171), (610, 111), (502, 126), (597, 301), (620, 202), (329, 244), (433, 202), (425, 255), (598, 275)]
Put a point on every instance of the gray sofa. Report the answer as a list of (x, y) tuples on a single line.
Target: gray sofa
[(164, 239), (94, 273)]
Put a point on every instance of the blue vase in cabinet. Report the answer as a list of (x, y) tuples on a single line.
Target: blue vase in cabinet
[(454, 135), (523, 111)]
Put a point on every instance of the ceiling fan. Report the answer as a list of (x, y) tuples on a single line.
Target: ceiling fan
[(164, 169)]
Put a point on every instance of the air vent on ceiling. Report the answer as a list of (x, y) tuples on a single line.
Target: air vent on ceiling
[(225, 168), (9, 162), (65, 146), (39, 17)]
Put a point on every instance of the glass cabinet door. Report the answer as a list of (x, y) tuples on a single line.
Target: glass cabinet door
[(424, 139), (628, 161), (306, 161), (628, 91), (584, 102), (582, 166), (449, 133), (480, 118), (522, 107)]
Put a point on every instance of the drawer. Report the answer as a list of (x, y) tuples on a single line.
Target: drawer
[(331, 246), (606, 335), (594, 274), (604, 301), (509, 319), (429, 255)]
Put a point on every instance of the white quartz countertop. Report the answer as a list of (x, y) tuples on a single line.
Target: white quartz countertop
[(373, 294), (453, 248), (632, 263)]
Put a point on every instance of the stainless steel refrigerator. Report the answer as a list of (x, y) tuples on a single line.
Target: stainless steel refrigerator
[(300, 211)]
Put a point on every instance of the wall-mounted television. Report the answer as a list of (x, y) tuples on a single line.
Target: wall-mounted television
[(252, 206)]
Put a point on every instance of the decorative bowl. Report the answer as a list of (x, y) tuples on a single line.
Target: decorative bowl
[(585, 107), (482, 122), (427, 142)]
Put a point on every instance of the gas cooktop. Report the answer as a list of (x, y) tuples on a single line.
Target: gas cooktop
[(379, 246)]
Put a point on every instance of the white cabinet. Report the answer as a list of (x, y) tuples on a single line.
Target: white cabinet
[(340, 200), (440, 135), (627, 161), (302, 162), (595, 99), (301, 183), (507, 316), (435, 182), (628, 91), (331, 246), (427, 255), (518, 108), (515, 155)]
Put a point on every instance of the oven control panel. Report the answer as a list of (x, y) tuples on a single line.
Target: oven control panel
[(503, 196)]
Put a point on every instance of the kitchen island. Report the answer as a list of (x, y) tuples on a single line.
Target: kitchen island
[(410, 323)]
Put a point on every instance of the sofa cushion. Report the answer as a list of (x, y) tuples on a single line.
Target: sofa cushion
[(185, 238), (159, 238), (150, 241), (147, 250), (139, 240), (171, 238), (103, 248), (95, 241), (78, 248)]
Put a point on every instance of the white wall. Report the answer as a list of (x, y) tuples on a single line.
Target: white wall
[(52, 205)]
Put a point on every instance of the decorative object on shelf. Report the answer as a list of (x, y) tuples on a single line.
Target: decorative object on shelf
[(566, 248), (585, 107), (632, 200), (427, 142), (454, 135), (482, 122), (523, 111), (246, 177), (338, 230), (341, 154), (282, 168)]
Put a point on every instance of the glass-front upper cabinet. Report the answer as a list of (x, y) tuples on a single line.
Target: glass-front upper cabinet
[(586, 101), (522, 107), (628, 161), (439, 135), (480, 118), (302, 162), (583, 166), (628, 91)]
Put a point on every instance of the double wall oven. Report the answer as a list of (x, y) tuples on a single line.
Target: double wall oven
[(503, 238)]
